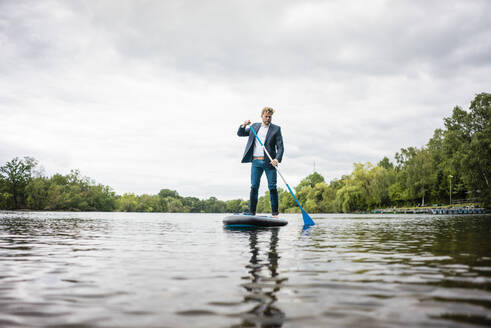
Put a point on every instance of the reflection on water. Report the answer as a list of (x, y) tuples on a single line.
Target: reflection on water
[(413, 270), (185, 270), (263, 281)]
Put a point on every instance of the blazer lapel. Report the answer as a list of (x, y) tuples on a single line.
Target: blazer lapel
[(269, 133)]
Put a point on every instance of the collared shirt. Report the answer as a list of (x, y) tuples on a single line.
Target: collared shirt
[(258, 149)]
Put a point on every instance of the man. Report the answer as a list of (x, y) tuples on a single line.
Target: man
[(270, 135)]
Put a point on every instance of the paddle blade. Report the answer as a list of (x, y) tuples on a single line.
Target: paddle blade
[(307, 220)]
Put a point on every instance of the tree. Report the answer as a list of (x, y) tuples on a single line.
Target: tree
[(315, 199), (350, 199), (168, 193), (17, 173), (385, 163), (236, 206), (476, 159), (286, 202), (174, 205), (37, 193), (419, 174), (467, 148), (213, 205), (103, 198), (5, 200), (264, 203), (310, 181), (192, 205), (127, 203), (440, 168), (381, 178), (149, 203)]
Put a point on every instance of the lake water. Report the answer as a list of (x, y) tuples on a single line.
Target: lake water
[(186, 270)]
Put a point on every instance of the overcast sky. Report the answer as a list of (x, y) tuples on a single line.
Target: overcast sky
[(145, 95)]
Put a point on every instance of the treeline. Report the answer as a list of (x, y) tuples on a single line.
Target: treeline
[(459, 154), (22, 187)]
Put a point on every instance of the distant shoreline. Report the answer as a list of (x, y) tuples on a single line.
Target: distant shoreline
[(454, 209)]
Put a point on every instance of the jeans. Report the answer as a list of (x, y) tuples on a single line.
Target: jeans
[(257, 169)]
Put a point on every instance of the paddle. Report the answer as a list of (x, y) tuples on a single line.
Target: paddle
[(307, 220)]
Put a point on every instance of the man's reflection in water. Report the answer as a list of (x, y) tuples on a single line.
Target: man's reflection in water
[(264, 283)]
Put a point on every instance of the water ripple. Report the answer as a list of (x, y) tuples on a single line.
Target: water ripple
[(183, 270)]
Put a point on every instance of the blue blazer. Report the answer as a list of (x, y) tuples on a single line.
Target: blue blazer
[(273, 142)]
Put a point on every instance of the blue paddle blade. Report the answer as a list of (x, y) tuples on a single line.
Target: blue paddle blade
[(307, 220)]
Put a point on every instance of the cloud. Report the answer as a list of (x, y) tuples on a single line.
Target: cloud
[(144, 96)]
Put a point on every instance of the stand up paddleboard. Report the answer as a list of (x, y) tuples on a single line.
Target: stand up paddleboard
[(248, 221)]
